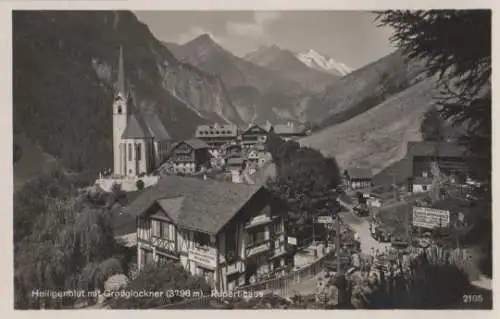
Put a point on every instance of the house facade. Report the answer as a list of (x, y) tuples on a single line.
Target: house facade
[(188, 157), (217, 135), (140, 140), (252, 136), (449, 158), (358, 178), (290, 131), (232, 234)]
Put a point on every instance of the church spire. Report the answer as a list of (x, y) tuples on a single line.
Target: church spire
[(121, 74)]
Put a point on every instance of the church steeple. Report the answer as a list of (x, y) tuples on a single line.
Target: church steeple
[(121, 75)]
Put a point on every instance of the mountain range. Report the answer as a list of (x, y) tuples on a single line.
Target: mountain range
[(376, 111), (289, 66), (269, 84), (65, 68), (315, 60)]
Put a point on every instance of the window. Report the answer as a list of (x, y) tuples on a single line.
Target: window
[(278, 227), (424, 187), (156, 228), (119, 109), (162, 259), (202, 239), (130, 152), (256, 237), (167, 231), (139, 152), (276, 264), (231, 243)]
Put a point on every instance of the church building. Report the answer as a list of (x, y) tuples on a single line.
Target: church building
[(140, 140)]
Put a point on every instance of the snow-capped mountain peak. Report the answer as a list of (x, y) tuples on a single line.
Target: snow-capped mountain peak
[(317, 61)]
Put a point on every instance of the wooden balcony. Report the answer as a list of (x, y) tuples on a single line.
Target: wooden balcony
[(159, 243), (258, 221), (235, 267)]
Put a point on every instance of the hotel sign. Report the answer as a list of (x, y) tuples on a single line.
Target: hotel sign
[(203, 257), (258, 249), (292, 241), (324, 219), (430, 217)]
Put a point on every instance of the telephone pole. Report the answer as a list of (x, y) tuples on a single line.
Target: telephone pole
[(337, 242)]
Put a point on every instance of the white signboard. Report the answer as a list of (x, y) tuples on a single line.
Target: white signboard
[(202, 257), (257, 250), (430, 217), (324, 219), (292, 241)]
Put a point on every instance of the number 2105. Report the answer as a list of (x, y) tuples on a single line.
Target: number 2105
[(472, 298)]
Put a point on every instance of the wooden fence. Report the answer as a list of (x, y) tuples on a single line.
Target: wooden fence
[(284, 285)]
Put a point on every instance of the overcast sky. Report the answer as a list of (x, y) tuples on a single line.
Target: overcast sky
[(350, 37)]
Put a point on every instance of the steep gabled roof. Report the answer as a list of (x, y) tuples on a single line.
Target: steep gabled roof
[(196, 143), (201, 205), (172, 206), (438, 149), (254, 126), (136, 127), (355, 172), (289, 129), (156, 127)]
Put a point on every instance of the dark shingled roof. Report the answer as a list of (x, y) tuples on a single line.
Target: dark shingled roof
[(202, 205), (289, 129), (156, 127), (438, 149), (355, 172), (264, 129), (136, 127), (196, 143)]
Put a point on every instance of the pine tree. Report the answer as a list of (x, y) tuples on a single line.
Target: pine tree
[(456, 47)]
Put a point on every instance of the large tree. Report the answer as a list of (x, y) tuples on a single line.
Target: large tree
[(456, 47), (68, 239), (307, 182)]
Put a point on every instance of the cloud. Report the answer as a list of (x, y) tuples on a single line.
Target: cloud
[(255, 29)]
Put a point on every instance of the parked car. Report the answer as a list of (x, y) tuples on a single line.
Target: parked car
[(380, 233), (361, 210), (399, 242)]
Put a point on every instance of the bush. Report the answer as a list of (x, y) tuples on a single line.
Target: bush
[(433, 279), (139, 184)]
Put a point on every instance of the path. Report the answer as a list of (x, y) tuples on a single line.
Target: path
[(360, 226)]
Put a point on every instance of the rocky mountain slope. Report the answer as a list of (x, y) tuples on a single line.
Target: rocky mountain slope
[(258, 93), (286, 63), (317, 61), (364, 88), (377, 138), (64, 70)]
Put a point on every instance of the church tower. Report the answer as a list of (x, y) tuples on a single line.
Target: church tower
[(120, 119)]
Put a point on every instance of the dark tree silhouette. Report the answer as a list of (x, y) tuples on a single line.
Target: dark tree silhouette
[(307, 182), (161, 277), (432, 126), (456, 47)]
